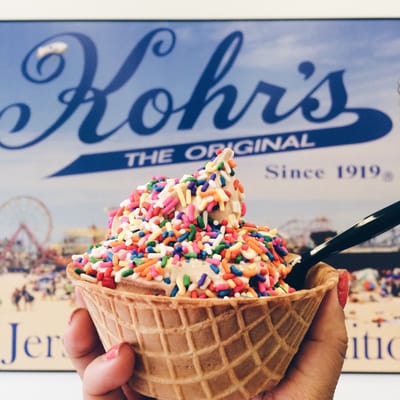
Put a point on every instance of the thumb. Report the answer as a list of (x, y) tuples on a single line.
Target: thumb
[(104, 377)]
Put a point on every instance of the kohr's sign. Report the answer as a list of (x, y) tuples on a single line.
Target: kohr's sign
[(212, 95)]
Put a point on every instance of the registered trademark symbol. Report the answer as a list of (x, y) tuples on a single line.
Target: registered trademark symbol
[(387, 176)]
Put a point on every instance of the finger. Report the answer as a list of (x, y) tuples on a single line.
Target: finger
[(105, 376), (81, 341), (328, 326), (343, 287)]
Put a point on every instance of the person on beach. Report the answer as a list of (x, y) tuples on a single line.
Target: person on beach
[(16, 298)]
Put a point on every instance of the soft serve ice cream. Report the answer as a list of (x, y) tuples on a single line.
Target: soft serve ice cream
[(195, 289), (188, 237)]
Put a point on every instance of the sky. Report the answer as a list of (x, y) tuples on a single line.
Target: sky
[(271, 52)]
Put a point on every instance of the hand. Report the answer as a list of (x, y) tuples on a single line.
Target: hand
[(313, 374), (103, 374)]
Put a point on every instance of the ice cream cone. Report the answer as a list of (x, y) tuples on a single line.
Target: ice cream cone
[(216, 349)]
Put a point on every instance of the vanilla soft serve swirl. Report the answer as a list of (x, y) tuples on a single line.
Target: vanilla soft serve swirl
[(188, 237)]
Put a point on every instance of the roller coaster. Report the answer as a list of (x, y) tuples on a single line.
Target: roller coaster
[(381, 252), (301, 233)]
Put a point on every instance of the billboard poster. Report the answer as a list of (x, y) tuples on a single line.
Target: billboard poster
[(91, 109)]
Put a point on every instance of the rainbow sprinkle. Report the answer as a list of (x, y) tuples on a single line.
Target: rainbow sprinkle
[(189, 238)]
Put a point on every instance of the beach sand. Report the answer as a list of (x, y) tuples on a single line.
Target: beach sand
[(32, 338)]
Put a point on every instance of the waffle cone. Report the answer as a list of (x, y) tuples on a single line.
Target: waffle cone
[(206, 348)]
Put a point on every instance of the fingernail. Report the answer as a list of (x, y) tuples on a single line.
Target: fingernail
[(343, 287), (71, 317), (113, 352)]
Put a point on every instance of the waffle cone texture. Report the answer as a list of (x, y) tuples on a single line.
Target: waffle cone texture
[(214, 349)]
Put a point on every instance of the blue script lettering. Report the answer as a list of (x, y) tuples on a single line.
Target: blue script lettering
[(30, 347), (84, 93), (161, 42), (228, 94)]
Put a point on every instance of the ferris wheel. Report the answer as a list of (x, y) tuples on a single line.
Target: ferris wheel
[(25, 227)]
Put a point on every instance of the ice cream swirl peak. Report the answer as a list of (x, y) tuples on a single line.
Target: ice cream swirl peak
[(187, 237)]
